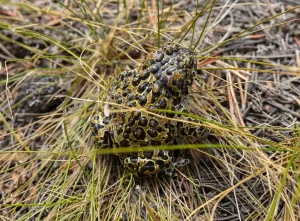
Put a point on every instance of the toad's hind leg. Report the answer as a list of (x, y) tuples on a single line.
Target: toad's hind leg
[(189, 130), (143, 167), (140, 166)]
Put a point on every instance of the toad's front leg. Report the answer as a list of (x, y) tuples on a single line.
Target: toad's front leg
[(101, 131)]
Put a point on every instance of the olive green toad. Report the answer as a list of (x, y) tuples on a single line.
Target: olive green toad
[(160, 82)]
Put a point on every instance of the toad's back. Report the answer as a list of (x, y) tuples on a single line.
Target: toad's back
[(160, 82)]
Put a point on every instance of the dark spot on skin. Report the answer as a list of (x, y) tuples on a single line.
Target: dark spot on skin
[(105, 141), (186, 111), (148, 154), (130, 167), (162, 103), (106, 120), (174, 82), (182, 72), (177, 95), (171, 70), (124, 143), (132, 104), (164, 80), (171, 115), (144, 74), (180, 83), (161, 173), (149, 166), (119, 131), (143, 121), (127, 128), (153, 99), (136, 114), (134, 159), (152, 133), (125, 85), (153, 123), (96, 128), (126, 135), (158, 75), (171, 63), (126, 92), (170, 137), (144, 155), (142, 87), (159, 129), (119, 99), (160, 164), (169, 95), (185, 91), (191, 131), (179, 107), (131, 120), (162, 155), (155, 143), (165, 61), (130, 97), (152, 61), (159, 56), (96, 118), (149, 88), (143, 100), (135, 81), (171, 127), (121, 77), (139, 133), (128, 74), (154, 69)]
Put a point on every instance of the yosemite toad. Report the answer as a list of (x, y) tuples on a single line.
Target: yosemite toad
[(160, 82)]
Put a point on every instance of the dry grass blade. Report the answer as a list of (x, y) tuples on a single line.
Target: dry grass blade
[(58, 61)]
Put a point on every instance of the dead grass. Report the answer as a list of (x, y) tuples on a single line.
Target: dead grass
[(48, 169)]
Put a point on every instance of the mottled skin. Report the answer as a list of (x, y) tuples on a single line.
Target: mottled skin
[(160, 82)]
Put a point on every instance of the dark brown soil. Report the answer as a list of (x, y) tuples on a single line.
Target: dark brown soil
[(269, 106)]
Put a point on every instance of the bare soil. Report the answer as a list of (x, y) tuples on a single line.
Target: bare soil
[(266, 90)]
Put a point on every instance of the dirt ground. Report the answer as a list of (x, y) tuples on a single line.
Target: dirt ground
[(255, 77)]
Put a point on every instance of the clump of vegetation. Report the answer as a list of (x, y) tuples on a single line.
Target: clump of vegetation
[(59, 58)]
